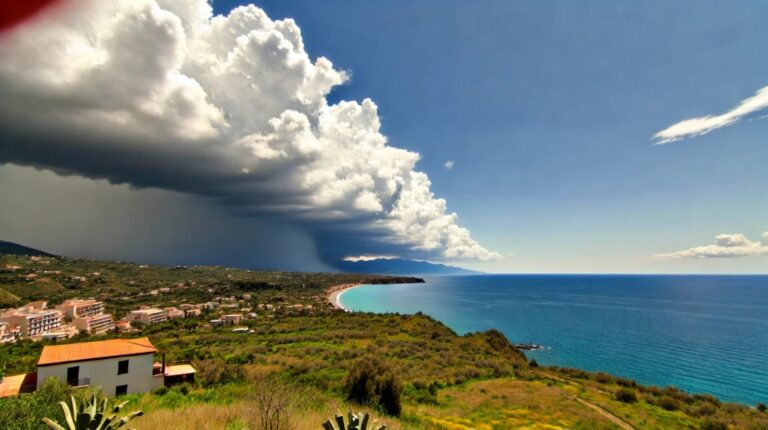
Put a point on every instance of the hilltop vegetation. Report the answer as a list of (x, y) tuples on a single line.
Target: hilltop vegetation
[(442, 380), (126, 286), (11, 248), (8, 299)]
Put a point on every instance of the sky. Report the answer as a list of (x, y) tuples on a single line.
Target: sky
[(503, 136)]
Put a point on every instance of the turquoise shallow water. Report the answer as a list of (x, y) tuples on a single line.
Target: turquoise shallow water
[(704, 334)]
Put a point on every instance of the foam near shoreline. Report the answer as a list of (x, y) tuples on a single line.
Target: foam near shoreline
[(335, 292)]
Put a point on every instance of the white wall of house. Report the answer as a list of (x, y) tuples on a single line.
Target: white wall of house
[(103, 373)]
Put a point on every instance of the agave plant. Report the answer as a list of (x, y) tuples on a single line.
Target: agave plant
[(355, 422), (95, 414)]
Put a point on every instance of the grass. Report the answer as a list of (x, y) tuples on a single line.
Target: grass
[(224, 409), (8, 299)]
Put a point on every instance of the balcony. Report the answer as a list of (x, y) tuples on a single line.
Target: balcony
[(81, 382)]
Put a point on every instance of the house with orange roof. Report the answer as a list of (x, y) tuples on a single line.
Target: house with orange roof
[(117, 366)]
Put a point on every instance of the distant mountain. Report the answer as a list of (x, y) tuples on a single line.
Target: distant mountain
[(16, 249), (397, 266)]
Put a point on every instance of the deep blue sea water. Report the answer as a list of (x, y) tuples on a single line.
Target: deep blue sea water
[(704, 334)]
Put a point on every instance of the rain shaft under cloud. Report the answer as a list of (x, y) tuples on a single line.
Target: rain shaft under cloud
[(162, 94)]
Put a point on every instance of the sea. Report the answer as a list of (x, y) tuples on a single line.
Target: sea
[(704, 334)]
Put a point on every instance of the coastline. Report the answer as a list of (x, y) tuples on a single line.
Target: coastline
[(336, 291)]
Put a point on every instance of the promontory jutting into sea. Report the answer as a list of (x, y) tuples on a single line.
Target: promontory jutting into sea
[(705, 334)]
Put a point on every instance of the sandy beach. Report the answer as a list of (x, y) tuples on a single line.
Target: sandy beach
[(335, 291)]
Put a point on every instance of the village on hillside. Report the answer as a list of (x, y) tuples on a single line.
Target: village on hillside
[(76, 308), (90, 362)]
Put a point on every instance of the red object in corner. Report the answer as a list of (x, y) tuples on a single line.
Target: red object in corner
[(14, 12)]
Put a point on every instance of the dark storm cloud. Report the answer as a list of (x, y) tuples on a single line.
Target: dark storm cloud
[(160, 94)]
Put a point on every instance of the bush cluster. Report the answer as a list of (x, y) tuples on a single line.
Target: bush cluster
[(211, 372), (626, 395), (372, 382)]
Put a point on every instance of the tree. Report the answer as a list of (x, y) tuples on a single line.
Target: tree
[(272, 399), (626, 395), (371, 382)]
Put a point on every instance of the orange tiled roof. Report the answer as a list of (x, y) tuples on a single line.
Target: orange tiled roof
[(94, 350), (13, 385)]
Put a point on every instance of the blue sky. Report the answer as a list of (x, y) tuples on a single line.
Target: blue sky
[(549, 112), (548, 109)]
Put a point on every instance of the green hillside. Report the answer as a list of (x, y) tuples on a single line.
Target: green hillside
[(300, 345), (8, 299), (16, 249)]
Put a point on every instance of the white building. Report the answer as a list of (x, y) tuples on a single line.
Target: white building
[(232, 319), (62, 332), (95, 324), (147, 316), (76, 308), (33, 319), (87, 315), (117, 366), (8, 332), (173, 313), (191, 313)]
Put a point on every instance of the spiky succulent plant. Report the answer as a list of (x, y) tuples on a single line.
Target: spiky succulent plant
[(354, 422), (95, 414)]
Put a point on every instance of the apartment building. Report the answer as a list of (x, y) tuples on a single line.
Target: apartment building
[(190, 310), (174, 313), (95, 324), (87, 315), (192, 313), (34, 319), (147, 316), (232, 319), (77, 308), (8, 333)]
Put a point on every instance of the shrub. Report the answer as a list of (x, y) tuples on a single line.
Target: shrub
[(626, 395), (371, 382), (272, 399), (433, 387), (534, 363), (761, 407), (669, 403), (703, 409), (714, 425), (391, 391), (26, 410), (603, 377), (211, 372), (707, 398), (622, 382)]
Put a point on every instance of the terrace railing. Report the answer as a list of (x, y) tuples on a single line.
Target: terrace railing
[(81, 382)]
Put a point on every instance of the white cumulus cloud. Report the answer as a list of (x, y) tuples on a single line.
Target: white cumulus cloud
[(726, 245), (705, 124), (161, 93)]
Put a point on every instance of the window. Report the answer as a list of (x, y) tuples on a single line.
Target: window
[(73, 375), (122, 367), (121, 389)]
